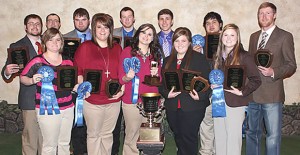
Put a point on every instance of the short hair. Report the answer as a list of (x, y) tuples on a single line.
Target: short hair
[(81, 12), (267, 4), (213, 15), (53, 14), (34, 16), (165, 12), (49, 34), (126, 9), (106, 20)]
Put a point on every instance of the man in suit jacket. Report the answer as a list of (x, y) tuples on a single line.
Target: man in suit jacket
[(269, 97), (127, 30), (81, 21), (127, 20), (31, 135)]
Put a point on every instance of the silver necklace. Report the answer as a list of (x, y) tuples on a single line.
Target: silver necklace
[(144, 56)]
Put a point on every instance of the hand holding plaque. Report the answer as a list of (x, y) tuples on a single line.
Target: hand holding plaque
[(152, 80), (112, 87), (172, 79), (94, 77), (263, 57), (235, 76), (19, 56)]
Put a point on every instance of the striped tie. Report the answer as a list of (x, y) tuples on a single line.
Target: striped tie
[(262, 44), (166, 46)]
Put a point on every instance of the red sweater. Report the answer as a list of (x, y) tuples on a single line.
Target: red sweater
[(91, 56), (144, 70)]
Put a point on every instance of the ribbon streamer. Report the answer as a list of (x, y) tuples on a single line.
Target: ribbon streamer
[(218, 99), (135, 64), (48, 97), (82, 89)]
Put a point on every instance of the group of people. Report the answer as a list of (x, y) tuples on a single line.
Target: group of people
[(189, 114)]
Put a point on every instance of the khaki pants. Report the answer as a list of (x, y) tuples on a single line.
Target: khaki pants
[(31, 135), (207, 136), (133, 120), (100, 121), (56, 131), (228, 131)]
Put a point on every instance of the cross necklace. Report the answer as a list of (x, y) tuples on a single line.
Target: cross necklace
[(106, 65)]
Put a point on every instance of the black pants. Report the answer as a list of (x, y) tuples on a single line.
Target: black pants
[(116, 134), (185, 126)]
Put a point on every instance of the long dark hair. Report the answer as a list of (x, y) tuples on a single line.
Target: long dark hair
[(181, 31), (155, 48)]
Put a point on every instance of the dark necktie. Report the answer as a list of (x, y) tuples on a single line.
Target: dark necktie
[(39, 47), (262, 44), (83, 38)]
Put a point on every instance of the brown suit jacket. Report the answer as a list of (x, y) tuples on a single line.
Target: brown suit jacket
[(281, 44)]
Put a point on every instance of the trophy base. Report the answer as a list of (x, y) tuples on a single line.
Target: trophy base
[(152, 80), (150, 134)]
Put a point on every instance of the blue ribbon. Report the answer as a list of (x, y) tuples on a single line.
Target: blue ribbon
[(135, 64), (198, 40), (82, 89), (48, 97), (218, 99)]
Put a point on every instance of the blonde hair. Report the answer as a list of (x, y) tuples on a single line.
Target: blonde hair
[(221, 48)]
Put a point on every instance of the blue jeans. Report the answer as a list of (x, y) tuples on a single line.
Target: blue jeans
[(271, 114)]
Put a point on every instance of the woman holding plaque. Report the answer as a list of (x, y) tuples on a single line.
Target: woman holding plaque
[(185, 109), (100, 55), (228, 129), (145, 49), (41, 71)]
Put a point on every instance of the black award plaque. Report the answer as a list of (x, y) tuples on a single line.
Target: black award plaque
[(172, 79), (19, 56), (186, 79), (200, 84), (94, 77), (211, 45), (235, 76), (117, 39), (70, 47), (112, 87), (127, 41), (66, 77), (263, 57)]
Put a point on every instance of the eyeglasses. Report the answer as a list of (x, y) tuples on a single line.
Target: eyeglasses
[(34, 24)]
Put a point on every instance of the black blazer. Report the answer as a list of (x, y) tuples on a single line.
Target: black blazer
[(26, 98), (198, 63)]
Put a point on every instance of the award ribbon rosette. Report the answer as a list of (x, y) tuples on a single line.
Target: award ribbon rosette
[(135, 64), (82, 89), (198, 40), (216, 76), (48, 98)]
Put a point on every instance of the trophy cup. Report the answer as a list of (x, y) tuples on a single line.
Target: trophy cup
[(150, 131), (152, 80)]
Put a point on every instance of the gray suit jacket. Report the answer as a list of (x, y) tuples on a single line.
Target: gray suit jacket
[(26, 99), (281, 44), (71, 34), (118, 32)]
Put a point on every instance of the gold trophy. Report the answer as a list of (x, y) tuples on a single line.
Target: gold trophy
[(150, 131), (152, 80)]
